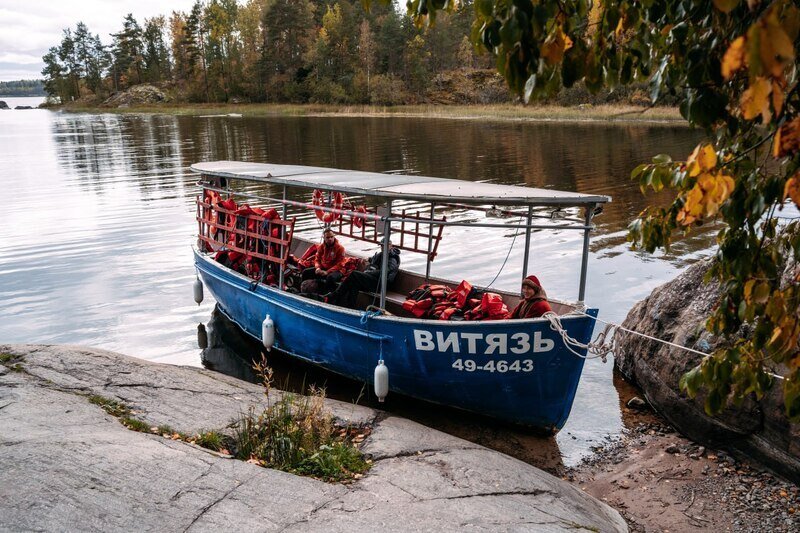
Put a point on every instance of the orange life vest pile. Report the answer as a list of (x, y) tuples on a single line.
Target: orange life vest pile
[(464, 303), (255, 220), (307, 261)]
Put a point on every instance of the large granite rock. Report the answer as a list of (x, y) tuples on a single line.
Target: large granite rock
[(137, 95), (676, 312), (66, 465)]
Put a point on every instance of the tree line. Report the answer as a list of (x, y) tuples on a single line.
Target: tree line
[(322, 51), (21, 88)]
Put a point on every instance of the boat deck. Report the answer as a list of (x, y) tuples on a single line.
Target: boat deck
[(407, 281)]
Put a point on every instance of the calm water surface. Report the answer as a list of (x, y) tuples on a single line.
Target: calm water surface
[(99, 222)]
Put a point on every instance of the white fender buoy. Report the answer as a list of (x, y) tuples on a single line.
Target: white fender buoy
[(198, 290), (381, 381), (202, 336), (268, 333)]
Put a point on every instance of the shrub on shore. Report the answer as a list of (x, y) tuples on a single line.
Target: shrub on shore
[(296, 434)]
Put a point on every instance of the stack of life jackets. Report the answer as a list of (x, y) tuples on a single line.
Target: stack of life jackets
[(247, 265), (256, 221), (307, 261), (464, 303)]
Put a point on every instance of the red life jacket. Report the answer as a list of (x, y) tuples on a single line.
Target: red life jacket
[(493, 306), (462, 293), (229, 205), (349, 265), (212, 214), (310, 253), (447, 313)]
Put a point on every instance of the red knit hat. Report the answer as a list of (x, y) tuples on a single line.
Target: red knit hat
[(532, 281)]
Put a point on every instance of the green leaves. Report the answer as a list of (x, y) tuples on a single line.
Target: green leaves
[(663, 172), (691, 382), (791, 395)]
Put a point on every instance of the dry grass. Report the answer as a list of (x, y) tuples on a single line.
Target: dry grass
[(496, 112), (297, 434)]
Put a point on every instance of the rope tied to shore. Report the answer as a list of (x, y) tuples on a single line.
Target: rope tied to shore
[(600, 348), (606, 342)]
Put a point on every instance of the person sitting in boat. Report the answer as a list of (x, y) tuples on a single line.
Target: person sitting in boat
[(327, 269), (367, 280), (534, 300)]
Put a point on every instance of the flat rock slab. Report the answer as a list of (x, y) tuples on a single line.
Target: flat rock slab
[(67, 465)]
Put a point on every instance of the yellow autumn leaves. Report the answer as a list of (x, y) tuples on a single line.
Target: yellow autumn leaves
[(787, 139), (711, 189), (766, 50), (759, 292), (555, 45)]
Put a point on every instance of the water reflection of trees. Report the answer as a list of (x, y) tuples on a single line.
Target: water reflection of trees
[(590, 158), (103, 149)]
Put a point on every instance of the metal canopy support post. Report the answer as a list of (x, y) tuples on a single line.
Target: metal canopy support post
[(387, 229), (585, 256), (430, 243), (527, 243), (283, 237)]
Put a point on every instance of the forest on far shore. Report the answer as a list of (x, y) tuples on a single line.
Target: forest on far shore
[(22, 88), (285, 51), (318, 51)]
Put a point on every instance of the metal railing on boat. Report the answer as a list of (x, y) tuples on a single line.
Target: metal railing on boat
[(432, 238)]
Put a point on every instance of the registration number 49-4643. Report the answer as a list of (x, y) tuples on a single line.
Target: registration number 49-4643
[(470, 365)]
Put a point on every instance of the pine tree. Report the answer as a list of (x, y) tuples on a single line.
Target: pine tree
[(70, 63), (127, 52), (156, 56), (55, 83), (288, 34)]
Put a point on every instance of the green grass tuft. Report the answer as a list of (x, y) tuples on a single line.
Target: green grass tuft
[(335, 462), (298, 435), (135, 424), (12, 361), (211, 440), (112, 407)]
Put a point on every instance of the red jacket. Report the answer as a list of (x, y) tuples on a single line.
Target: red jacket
[(533, 308), (329, 257)]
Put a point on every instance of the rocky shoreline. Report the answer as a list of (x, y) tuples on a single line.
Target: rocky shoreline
[(661, 481), (69, 465), (676, 311), (71, 461)]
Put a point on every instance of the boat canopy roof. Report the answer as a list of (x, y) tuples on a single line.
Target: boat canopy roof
[(395, 186)]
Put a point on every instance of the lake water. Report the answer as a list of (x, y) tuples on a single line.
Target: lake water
[(14, 101), (99, 222)]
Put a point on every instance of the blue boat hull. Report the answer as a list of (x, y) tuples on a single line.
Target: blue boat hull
[(518, 371)]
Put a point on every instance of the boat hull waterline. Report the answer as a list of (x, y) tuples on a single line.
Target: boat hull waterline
[(517, 371)]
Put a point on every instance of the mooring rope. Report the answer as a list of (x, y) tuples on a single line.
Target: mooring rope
[(366, 315), (606, 341), (599, 348)]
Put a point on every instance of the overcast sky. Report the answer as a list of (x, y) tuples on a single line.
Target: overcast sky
[(29, 27)]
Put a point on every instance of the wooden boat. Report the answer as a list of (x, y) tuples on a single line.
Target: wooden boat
[(519, 371)]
